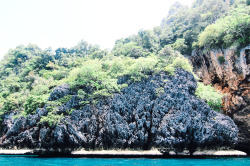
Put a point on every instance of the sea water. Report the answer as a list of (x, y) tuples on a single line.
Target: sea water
[(26, 161)]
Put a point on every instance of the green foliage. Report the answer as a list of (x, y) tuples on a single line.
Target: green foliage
[(141, 67), (221, 59), (34, 102), (159, 91), (97, 79), (52, 119), (183, 23), (10, 104), (171, 59), (208, 93), (19, 114), (56, 74), (99, 54), (180, 45), (209, 37), (228, 30), (167, 55), (29, 74), (14, 102), (170, 69), (179, 62), (65, 99), (180, 29), (131, 49)]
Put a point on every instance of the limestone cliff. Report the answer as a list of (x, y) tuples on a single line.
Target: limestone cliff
[(228, 70), (161, 111)]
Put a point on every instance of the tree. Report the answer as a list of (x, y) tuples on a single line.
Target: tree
[(234, 28), (131, 49), (147, 40), (83, 48), (238, 23), (180, 45), (189, 23)]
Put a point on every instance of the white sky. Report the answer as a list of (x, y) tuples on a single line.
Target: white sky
[(63, 23)]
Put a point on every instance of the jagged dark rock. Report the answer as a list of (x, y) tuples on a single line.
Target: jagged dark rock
[(41, 112), (158, 112), (59, 92), (242, 120)]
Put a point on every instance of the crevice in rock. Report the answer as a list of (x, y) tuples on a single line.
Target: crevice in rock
[(149, 141), (247, 53)]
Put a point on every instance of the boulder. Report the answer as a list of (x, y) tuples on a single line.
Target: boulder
[(59, 92)]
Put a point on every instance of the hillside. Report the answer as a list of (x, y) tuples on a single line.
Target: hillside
[(44, 93)]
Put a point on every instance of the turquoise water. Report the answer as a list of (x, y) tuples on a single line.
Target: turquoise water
[(14, 161)]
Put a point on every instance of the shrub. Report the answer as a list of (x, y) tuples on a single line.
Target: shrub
[(65, 99), (14, 102), (141, 67), (34, 102), (170, 70), (56, 74), (167, 55), (131, 49), (159, 91), (52, 119), (10, 104), (179, 62), (221, 59), (208, 93), (98, 54), (180, 45)]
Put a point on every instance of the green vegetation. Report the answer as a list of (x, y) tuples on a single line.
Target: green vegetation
[(131, 49), (234, 29), (179, 62), (52, 119), (221, 59), (34, 102), (28, 74), (180, 45), (208, 23), (93, 77), (208, 93)]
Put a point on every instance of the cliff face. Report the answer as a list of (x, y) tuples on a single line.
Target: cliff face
[(158, 112), (228, 70)]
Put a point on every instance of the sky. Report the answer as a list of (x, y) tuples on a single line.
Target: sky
[(63, 23)]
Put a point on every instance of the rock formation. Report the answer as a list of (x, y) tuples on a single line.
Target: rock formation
[(158, 112), (228, 70)]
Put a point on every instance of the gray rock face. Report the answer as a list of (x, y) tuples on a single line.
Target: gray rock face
[(41, 112), (160, 112), (59, 92)]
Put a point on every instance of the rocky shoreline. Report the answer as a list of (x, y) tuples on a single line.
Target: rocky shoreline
[(124, 153)]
